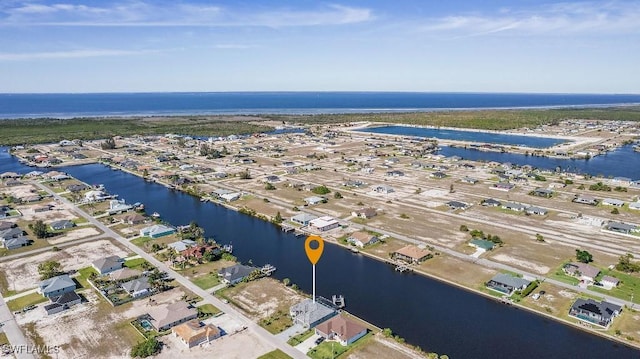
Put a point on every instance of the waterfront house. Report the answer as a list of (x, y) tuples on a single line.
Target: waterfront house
[(303, 218), (138, 287), (220, 192), (594, 312), (613, 202), (61, 224), (230, 197), (309, 313), (454, 205), (107, 264), (609, 282), (536, 210), (170, 315), (412, 254), (342, 329), (542, 192), (96, 196), (582, 271), (324, 223), (193, 333), (583, 199), (365, 213), (313, 200), (235, 274), (197, 252), (180, 246), (482, 244), (362, 239), (490, 202), (62, 302), (56, 286), (134, 219), (620, 227), (507, 284), (384, 189), (157, 231), (118, 206)]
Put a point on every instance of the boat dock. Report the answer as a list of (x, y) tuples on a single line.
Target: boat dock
[(287, 228)]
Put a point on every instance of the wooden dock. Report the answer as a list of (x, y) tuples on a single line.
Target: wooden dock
[(287, 228)]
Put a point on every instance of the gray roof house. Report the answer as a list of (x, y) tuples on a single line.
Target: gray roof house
[(13, 232), (314, 200), (536, 210), (542, 192), (62, 224), (620, 227), (235, 274), (613, 202), (491, 202), (594, 312), (62, 302), (170, 315), (582, 199), (507, 284), (309, 314), (457, 205), (582, 271), (518, 207), (138, 287), (107, 264), (56, 286), (303, 218), (13, 243)]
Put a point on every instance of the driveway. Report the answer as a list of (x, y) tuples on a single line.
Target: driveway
[(308, 344)]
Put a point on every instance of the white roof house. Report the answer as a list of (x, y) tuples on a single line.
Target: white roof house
[(324, 223)]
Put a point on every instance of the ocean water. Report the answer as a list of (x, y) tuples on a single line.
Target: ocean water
[(124, 104)]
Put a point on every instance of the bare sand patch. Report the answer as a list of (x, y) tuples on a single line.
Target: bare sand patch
[(240, 345), (522, 263), (23, 274), (82, 232)]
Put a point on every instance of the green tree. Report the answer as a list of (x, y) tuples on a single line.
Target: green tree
[(40, 229), (615, 211), (108, 144), (387, 332), (286, 282), (278, 218), (269, 186), (583, 256), (626, 265), (539, 237), (49, 269), (337, 195), (244, 175), (321, 190), (464, 228), (146, 348)]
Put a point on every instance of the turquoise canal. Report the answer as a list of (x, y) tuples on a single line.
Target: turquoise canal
[(470, 136), (426, 312)]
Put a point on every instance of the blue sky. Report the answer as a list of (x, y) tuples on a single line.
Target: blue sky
[(298, 45)]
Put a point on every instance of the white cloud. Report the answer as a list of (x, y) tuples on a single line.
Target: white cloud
[(557, 19), (72, 54), (171, 14)]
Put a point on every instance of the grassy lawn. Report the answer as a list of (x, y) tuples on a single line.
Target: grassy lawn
[(297, 339), (558, 274), (327, 350), (628, 287), (208, 310), (135, 263), (276, 354), (83, 276), (277, 322), (35, 244), (141, 241), (4, 286), (3, 339), (206, 281), (29, 299)]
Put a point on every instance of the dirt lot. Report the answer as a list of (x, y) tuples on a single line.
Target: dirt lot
[(82, 232), (90, 329), (241, 345), (22, 274), (264, 297), (381, 347), (458, 271)]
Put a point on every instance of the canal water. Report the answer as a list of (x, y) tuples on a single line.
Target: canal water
[(435, 316), (471, 136)]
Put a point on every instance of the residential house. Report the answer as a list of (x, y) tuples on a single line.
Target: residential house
[(341, 329), (44, 208), (157, 231), (197, 252), (138, 287), (503, 186), (490, 202), (56, 286), (230, 197), (303, 218), (395, 173), (12, 183), (609, 282), (193, 333), (542, 192), (134, 219), (536, 210), (14, 243), (313, 200), (309, 313), (107, 264), (438, 175), (613, 202), (362, 239), (482, 244), (582, 271), (96, 196), (620, 227), (123, 274), (182, 245), (12, 232), (412, 254), (365, 213), (507, 284), (594, 312), (4, 225), (582, 199), (621, 181), (518, 207), (62, 302), (272, 179), (469, 180), (454, 205), (235, 274), (220, 192), (170, 315), (384, 189), (118, 206), (634, 205), (324, 223), (62, 224), (31, 198)]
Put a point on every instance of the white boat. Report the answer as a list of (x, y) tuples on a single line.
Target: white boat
[(155, 215)]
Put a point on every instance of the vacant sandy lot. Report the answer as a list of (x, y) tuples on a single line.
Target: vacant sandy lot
[(381, 347), (22, 274), (83, 232), (261, 298), (241, 345), (58, 212)]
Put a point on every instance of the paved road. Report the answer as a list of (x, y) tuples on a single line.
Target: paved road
[(13, 332), (48, 249), (206, 296)]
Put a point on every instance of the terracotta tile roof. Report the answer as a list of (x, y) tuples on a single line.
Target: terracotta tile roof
[(341, 326), (194, 332)]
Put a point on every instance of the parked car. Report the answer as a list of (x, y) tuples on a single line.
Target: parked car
[(319, 340)]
